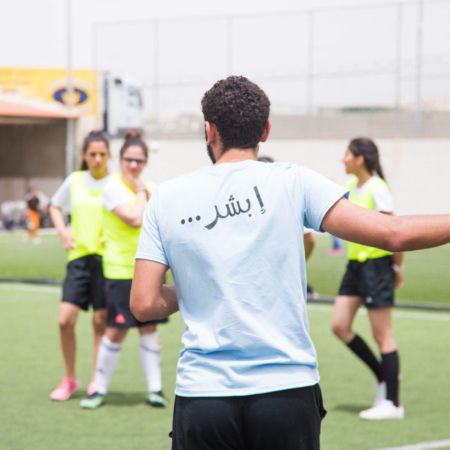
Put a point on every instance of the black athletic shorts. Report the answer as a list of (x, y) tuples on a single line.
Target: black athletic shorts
[(118, 300), (373, 280), (84, 284), (281, 420)]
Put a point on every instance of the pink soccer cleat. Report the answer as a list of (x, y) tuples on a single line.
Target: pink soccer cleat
[(91, 388), (67, 387)]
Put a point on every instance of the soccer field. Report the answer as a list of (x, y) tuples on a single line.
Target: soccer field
[(426, 273), (31, 366)]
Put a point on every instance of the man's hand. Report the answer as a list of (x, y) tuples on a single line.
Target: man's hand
[(150, 299)]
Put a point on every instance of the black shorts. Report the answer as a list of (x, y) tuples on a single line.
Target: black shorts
[(281, 420), (118, 300), (373, 280), (84, 284)]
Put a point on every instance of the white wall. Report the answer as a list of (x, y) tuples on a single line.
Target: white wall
[(416, 170)]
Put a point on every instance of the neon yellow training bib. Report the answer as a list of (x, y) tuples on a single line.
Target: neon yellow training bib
[(121, 241), (87, 217), (360, 252)]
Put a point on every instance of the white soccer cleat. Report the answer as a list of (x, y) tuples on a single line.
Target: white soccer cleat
[(381, 391), (385, 410)]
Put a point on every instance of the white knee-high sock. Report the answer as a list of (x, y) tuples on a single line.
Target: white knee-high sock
[(151, 360), (107, 358)]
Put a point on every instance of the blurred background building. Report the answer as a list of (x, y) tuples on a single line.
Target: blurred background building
[(332, 72)]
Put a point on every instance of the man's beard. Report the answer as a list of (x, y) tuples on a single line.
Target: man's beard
[(210, 153)]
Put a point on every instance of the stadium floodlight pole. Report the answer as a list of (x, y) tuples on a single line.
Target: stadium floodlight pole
[(398, 68), (420, 13), (310, 75), (69, 91)]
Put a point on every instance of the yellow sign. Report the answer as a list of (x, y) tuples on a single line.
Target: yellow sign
[(50, 85)]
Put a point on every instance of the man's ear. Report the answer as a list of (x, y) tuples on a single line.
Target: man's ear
[(211, 133), (266, 132)]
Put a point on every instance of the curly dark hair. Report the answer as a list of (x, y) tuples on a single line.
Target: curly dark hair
[(239, 109)]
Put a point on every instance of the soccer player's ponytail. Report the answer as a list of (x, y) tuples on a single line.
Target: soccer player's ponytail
[(133, 138), (369, 151), (93, 136)]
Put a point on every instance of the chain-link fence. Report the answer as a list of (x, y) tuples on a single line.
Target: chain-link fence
[(381, 69)]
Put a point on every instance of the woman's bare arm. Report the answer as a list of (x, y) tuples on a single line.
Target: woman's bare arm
[(132, 216), (65, 235)]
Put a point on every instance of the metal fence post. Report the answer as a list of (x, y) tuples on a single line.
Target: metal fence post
[(156, 70), (420, 13), (310, 75), (95, 85), (229, 45), (398, 69)]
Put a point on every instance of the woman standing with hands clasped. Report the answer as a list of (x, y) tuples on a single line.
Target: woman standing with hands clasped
[(371, 278), (124, 200), (81, 195)]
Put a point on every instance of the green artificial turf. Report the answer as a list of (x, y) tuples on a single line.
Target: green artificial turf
[(31, 366), (21, 259), (426, 273)]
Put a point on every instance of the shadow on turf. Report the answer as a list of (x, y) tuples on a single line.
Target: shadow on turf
[(350, 408), (125, 399)]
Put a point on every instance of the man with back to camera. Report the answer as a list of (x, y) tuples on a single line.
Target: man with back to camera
[(247, 377)]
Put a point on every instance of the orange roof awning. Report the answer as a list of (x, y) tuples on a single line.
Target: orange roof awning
[(19, 110)]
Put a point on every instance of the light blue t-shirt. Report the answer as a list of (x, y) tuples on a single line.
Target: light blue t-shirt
[(232, 235)]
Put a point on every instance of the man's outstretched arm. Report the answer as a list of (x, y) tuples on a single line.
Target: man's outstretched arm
[(150, 298), (392, 233)]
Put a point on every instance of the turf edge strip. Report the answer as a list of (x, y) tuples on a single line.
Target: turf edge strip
[(397, 314), (321, 300)]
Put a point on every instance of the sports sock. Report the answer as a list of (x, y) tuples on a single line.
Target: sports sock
[(151, 360), (391, 364), (360, 348), (107, 358)]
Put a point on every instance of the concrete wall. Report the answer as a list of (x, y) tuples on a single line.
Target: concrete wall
[(34, 156), (416, 170), (31, 155), (31, 150)]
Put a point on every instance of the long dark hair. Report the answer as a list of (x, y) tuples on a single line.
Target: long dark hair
[(93, 136), (366, 148), (133, 138)]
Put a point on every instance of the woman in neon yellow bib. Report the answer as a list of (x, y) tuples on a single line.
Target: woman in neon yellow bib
[(371, 278), (124, 199), (81, 195)]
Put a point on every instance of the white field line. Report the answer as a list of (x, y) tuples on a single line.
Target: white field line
[(311, 307), (421, 446), (443, 317), (22, 232), (29, 288)]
